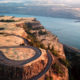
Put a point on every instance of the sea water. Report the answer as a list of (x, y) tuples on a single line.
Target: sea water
[(67, 30)]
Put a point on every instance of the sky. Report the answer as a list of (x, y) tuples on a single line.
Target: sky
[(43, 1), (67, 3), (68, 6)]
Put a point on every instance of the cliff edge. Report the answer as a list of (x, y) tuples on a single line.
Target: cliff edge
[(29, 52)]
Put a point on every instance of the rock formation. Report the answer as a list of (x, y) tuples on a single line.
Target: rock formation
[(29, 52)]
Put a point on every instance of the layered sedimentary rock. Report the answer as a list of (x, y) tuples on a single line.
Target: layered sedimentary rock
[(24, 58)]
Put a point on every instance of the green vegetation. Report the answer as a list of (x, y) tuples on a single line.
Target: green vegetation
[(53, 51), (1, 33), (7, 20), (29, 25), (1, 28), (48, 78), (57, 69), (1, 15), (37, 28), (34, 42), (64, 62), (51, 78), (42, 32), (22, 44)]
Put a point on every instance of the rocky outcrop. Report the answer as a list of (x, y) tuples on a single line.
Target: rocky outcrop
[(21, 73), (36, 35), (49, 40), (33, 70), (45, 37), (53, 74)]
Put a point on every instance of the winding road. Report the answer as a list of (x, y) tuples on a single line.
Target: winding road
[(21, 62), (45, 69)]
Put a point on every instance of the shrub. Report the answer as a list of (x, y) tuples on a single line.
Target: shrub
[(64, 62), (38, 28), (55, 53), (2, 28), (1, 15), (7, 20), (57, 69), (29, 25), (34, 42), (42, 32), (52, 48), (51, 78), (47, 78), (42, 46)]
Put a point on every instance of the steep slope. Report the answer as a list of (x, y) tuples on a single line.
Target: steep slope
[(28, 50), (73, 55)]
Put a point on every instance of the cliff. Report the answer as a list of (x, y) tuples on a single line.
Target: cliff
[(73, 55), (29, 52)]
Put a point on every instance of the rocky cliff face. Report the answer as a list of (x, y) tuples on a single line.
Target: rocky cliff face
[(48, 65), (49, 41), (46, 38), (73, 55)]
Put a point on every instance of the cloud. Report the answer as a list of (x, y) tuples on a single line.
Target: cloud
[(54, 1), (43, 1), (10, 1)]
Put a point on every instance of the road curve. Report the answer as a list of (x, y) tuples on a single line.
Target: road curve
[(38, 54), (46, 68), (19, 62)]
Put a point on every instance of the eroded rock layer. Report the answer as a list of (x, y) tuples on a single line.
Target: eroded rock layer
[(29, 52)]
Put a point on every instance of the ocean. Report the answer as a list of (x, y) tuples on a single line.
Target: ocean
[(67, 30)]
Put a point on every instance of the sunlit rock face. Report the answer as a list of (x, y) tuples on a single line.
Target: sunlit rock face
[(19, 60), (16, 57)]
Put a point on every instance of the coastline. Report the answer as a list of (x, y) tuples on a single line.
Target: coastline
[(40, 37), (36, 36), (54, 25)]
